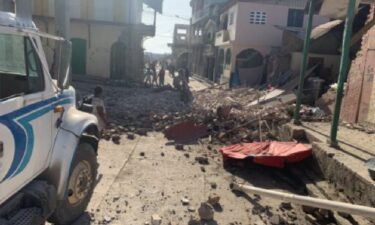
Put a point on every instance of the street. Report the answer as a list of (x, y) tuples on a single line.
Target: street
[(145, 174)]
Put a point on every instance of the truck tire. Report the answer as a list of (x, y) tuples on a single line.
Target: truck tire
[(80, 186)]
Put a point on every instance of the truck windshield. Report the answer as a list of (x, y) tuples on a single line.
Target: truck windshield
[(20, 67), (12, 55)]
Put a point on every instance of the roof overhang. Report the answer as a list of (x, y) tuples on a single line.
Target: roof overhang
[(157, 5), (335, 9)]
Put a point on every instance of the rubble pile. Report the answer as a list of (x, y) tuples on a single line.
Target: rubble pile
[(231, 119), (227, 114)]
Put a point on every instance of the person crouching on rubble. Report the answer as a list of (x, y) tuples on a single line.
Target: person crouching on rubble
[(99, 109)]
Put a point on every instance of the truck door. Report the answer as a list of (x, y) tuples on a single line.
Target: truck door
[(25, 114)]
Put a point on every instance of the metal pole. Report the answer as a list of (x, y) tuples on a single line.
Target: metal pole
[(306, 49), (344, 65), (365, 211), (62, 18)]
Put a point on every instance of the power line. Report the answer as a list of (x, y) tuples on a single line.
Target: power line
[(170, 15)]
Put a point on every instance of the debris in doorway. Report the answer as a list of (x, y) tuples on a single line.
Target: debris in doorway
[(270, 153)]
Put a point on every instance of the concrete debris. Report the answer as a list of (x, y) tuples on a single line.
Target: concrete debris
[(213, 199), (194, 220), (202, 160), (276, 220), (131, 136), (185, 201), (191, 209), (206, 211), (179, 147), (155, 219), (286, 206), (116, 139)]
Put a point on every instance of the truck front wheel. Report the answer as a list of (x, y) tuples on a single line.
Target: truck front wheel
[(80, 187)]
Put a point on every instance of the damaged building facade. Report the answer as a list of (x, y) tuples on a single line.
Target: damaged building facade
[(181, 45), (204, 25), (107, 36), (359, 98), (250, 39)]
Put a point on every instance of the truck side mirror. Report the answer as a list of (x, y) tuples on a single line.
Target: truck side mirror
[(64, 53)]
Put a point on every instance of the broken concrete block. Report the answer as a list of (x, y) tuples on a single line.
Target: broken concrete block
[(276, 220), (155, 219), (206, 211), (185, 201), (179, 147), (194, 220), (116, 139), (213, 199)]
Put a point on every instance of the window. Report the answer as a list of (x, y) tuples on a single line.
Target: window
[(295, 17), (34, 69), (12, 55), (20, 67), (258, 18), (231, 18)]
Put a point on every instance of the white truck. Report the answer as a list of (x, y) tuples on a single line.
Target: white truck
[(48, 148)]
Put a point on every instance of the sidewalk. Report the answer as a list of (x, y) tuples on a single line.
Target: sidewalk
[(345, 166)]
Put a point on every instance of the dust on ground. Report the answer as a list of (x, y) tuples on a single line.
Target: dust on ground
[(144, 178)]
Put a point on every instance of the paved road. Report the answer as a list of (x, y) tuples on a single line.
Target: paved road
[(133, 187)]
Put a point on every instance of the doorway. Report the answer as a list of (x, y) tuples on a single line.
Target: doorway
[(79, 56)]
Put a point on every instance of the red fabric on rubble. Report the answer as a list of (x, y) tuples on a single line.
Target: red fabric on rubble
[(273, 154)]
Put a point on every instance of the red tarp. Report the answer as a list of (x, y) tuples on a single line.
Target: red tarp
[(271, 153)]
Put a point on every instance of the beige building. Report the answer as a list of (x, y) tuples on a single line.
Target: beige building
[(107, 36), (180, 45), (250, 33), (204, 24)]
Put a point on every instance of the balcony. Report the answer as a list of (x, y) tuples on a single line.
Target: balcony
[(222, 37)]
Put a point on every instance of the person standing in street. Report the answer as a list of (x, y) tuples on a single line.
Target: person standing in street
[(99, 108), (161, 76), (148, 77), (154, 74)]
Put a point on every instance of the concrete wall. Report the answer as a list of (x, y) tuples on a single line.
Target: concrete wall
[(123, 11), (98, 45), (265, 38), (267, 34), (359, 99)]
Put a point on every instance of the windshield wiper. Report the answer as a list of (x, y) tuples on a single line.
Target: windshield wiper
[(12, 96)]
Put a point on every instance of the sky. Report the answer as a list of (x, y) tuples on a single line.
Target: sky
[(172, 10)]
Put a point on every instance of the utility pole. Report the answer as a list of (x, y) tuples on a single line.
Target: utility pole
[(306, 49), (344, 66), (62, 18)]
